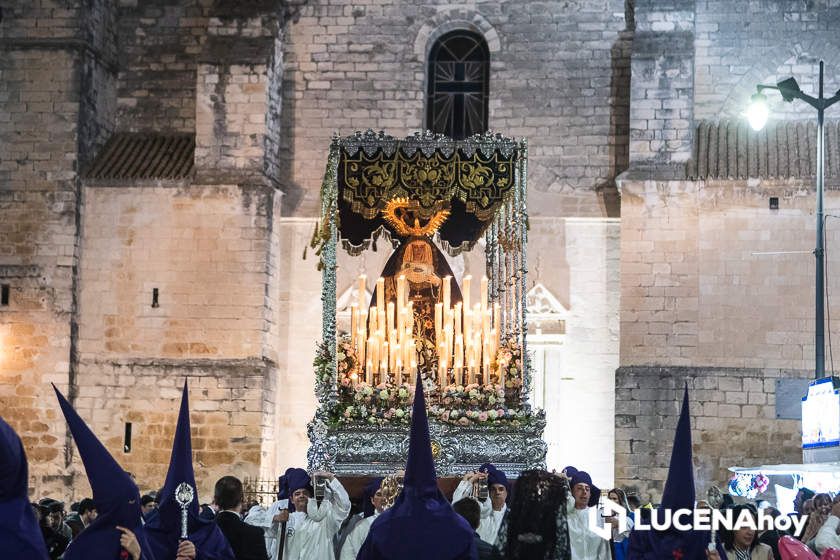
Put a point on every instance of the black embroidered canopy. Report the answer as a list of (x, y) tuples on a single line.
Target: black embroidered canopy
[(454, 186)]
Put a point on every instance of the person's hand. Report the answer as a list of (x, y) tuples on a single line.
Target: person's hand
[(186, 551), (835, 509), (612, 521), (281, 517), (129, 542), (468, 477), (712, 554), (324, 474)]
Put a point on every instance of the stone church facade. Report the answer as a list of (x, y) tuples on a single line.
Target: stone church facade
[(160, 163)]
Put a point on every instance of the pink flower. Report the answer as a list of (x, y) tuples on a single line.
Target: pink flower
[(464, 421), (482, 416), (500, 413)]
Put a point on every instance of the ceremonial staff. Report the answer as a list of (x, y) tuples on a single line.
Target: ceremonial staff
[(184, 495)]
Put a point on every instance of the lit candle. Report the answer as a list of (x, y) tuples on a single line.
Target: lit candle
[(456, 317), (401, 291), (373, 351), (384, 358), (447, 292), (390, 321), (362, 293), (380, 293), (372, 320), (443, 376), (380, 322), (466, 290), (398, 372), (369, 372), (360, 336)]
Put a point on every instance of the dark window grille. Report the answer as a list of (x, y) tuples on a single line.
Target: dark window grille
[(459, 85)]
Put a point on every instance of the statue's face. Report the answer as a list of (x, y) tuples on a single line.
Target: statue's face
[(418, 261)]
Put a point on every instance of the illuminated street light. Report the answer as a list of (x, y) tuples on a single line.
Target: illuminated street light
[(757, 112), (757, 115)]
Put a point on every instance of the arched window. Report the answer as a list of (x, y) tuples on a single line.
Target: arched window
[(459, 80)]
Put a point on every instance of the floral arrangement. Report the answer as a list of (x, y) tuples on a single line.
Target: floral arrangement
[(747, 485), (389, 403)]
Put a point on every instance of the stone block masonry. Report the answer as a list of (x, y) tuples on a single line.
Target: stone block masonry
[(559, 75), (232, 404), (732, 420)]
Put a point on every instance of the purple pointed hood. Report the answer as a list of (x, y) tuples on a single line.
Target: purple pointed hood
[(114, 493), (20, 536), (421, 524), (164, 524)]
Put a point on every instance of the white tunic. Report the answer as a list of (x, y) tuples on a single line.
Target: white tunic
[(356, 538), (490, 518), (585, 544), (264, 518), (309, 535)]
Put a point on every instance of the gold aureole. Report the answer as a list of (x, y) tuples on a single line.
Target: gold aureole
[(405, 217)]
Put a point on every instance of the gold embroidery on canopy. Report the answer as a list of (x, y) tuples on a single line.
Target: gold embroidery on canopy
[(367, 183)]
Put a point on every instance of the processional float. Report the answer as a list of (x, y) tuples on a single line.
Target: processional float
[(465, 337)]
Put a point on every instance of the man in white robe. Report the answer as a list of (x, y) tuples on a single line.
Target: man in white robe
[(585, 544), (493, 509), (311, 527), (269, 520), (359, 533)]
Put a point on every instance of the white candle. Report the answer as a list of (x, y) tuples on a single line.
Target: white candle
[(466, 291), (390, 320), (369, 372), (372, 320), (360, 336), (447, 292), (373, 351), (380, 293), (362, 293), (456, 317), (483, 300)]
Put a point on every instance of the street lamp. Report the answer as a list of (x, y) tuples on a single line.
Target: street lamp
[(757, 116)]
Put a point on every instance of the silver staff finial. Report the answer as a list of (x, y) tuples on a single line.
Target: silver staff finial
[(184, 495)]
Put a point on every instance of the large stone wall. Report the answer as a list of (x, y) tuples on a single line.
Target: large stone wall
[(50, 124), (698, 287), (716, 287), (559, 74), (733, 423), (159, 43)]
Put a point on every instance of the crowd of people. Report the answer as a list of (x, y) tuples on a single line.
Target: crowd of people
[(544, 516)]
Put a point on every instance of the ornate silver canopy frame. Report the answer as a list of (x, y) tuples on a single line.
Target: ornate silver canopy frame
[(378, 449)]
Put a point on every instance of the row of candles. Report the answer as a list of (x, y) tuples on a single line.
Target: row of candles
[(466, 337)]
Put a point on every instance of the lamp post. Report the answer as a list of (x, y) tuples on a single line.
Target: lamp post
[(757, 116)]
